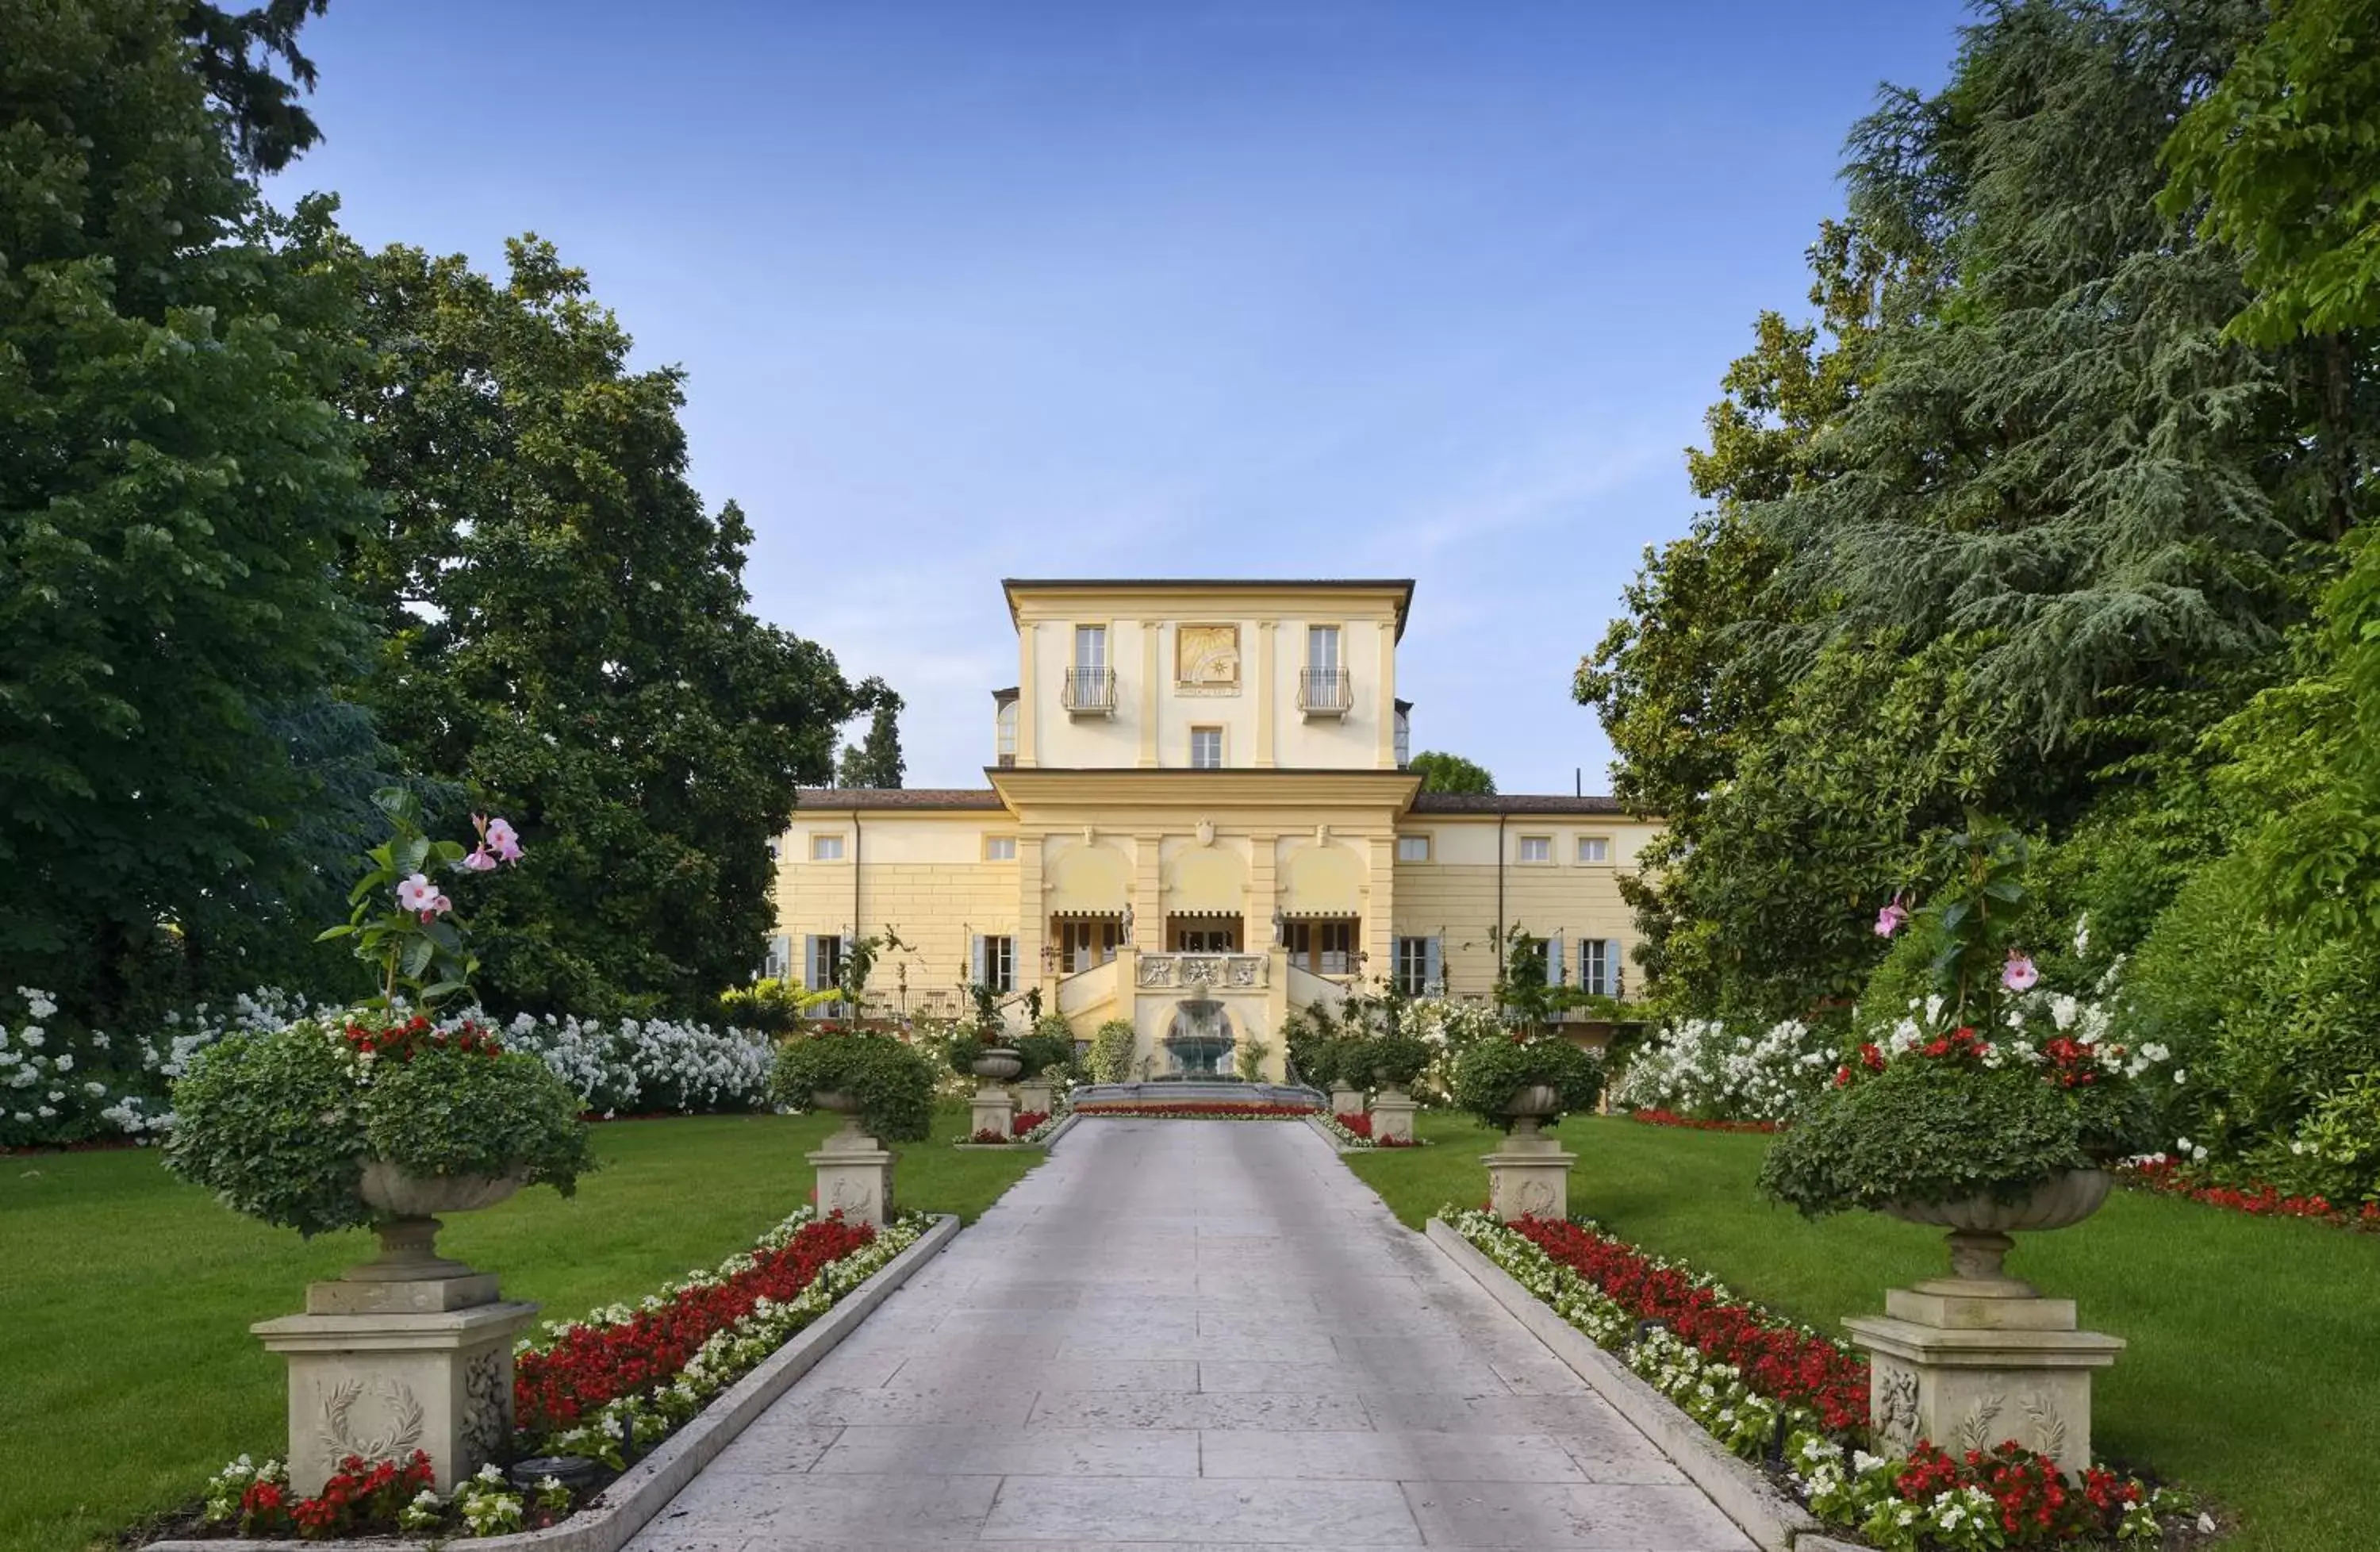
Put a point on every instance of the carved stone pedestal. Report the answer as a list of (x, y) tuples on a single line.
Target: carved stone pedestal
[(1033, 1095), (1345, 1100), (854, 1177), (994, 1110), (384, 1368), (1529, 1177), (1392, 1116), (1968, 1362)]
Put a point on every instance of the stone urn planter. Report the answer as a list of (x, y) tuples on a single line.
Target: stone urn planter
[(841, 1102), (407, 1223), (1980, 1356), (1529, 1107), (1980, 1226), (998, 1064)]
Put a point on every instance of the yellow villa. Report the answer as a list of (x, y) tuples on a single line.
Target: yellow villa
[(1199, 791)]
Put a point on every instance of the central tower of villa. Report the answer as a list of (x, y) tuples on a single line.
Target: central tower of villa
[(1199, 794)]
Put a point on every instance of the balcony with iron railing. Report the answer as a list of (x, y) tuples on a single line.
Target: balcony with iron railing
[(1325, 692), (1088, 691)]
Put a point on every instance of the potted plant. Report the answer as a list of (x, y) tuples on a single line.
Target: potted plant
[(1041, 1056), (1523, 1081), (1970, 1117), (880, 1084), (1395, 1060), (385, 1115)]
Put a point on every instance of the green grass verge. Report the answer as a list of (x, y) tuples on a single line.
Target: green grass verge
[(2253, 1373), (127, 1372)]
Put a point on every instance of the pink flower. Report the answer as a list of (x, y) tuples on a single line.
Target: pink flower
[(505, 839), (479, 861), (2019, 974), (415, 893), (1892, 918)]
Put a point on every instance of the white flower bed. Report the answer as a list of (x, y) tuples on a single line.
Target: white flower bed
[(1699, 1067), (61, 1086)]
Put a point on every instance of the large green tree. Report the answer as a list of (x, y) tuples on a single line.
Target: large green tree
[(875, 761), (568, 631), (1443, 772), (174, 494)]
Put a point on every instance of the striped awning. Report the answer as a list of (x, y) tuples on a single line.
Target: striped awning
[(1078, 914), (1087, 880), (1322, 880), (1204, 915)]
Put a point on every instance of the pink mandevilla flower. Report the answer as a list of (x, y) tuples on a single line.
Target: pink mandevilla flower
[(479, 861), (2019, 974), (415, 893), (1892, 918), (505, 839)]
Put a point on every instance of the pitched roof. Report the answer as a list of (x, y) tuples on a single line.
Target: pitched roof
[(831, 798), (1513, 802)]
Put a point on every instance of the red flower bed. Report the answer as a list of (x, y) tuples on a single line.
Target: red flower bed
[(1026, 1121), (991, 1137), (1672, 1118), (2166, 1177), (592, 1365), (1777, 1359), (2036, 1501), (1355, 1121), (1212, 1108)]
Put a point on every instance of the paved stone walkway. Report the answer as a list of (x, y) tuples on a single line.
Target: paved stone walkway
[(1190, 1334)]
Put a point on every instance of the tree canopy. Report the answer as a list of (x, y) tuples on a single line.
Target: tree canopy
[(1442, 772)]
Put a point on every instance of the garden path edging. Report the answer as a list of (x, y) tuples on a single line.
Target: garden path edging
[(621, 1509), (1743, 1494), (1324, 1132)]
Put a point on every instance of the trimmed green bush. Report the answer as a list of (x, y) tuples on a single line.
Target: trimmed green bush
[(1491, 1069), (279, 1125), (893, 1080), (1112, 1048)]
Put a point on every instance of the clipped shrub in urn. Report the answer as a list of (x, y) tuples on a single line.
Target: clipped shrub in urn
[(1395, 1062), (880, 1086), (1523, 1082)]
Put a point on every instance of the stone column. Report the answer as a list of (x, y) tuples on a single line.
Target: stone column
[(384, 1363), (1972, 1360), (1033, 919), (854, 1177), (1392, 1116), (1147, 893), (1529, 1176), (1380, 906)]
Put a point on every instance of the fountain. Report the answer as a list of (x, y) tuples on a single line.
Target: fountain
[(1201, 1039)]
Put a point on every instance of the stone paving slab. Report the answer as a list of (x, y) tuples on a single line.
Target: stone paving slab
[(1191, 1337)]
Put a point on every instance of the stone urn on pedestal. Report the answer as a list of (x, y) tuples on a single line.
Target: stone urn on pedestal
[(1523, 1083), (1529, 1176), (994, 1108), (407, 1351), (1394, 1061), (1977, 1357)]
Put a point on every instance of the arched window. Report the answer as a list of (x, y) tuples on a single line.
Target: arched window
[(1004, 733)]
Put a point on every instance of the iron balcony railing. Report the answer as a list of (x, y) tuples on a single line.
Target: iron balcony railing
[(1088, 691), (1325, 692)]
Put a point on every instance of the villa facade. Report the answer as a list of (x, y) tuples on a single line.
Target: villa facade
[(1198, 790)]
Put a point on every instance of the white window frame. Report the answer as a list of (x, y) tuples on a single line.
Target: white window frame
[(1000, 848), (1521, 850), (1411, 965), (1602, 842), (999, 962), (1419, 842), (1095, 636), (1404, 740), (1222, 753), (1336, 658), (826, 846), (1003, 732)]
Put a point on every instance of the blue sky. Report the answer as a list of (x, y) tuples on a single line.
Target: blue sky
[(1286, 288)]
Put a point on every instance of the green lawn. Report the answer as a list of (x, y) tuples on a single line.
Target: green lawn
[(2253, 1373), (127, 1372)]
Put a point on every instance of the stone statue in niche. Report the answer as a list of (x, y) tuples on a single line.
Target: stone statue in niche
[(1206, 660)]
